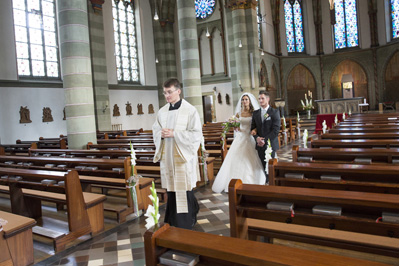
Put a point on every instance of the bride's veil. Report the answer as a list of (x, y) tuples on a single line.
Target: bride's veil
[(254, 102)]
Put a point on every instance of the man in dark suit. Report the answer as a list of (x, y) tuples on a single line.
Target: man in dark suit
[(265, 125)]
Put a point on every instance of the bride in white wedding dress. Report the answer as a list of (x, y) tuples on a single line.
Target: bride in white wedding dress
[(242, 160)]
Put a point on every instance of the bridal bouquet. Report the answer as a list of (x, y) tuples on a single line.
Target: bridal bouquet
[(307, 105), (232, 122)]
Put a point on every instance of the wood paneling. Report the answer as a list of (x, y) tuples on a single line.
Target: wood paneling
[(299, 82), (359, 79)]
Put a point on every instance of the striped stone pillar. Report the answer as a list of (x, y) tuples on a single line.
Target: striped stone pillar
[(189, 54), (99, 65), (164, 44), (76, 72), (245, 60)]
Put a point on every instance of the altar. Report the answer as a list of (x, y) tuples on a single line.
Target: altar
[(335, 106)]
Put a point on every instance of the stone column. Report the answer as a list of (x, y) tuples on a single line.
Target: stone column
[(76, 72), (164, 44), (189, 54), (242, 23), (99, 65)]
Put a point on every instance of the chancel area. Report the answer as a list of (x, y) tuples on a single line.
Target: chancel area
[(82, 84)]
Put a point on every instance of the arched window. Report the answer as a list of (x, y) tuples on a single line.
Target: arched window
[(345, 28), (127, 65), (36, 38), (395, 18), (294, 26)]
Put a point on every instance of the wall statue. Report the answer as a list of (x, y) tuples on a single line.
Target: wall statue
[(128, 108), (220, 98), (227, 99), (150, 108), (47, 116), (116, 111), (24, 115), (140, 109)]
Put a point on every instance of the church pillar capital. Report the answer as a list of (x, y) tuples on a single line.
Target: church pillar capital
[(241, 4)]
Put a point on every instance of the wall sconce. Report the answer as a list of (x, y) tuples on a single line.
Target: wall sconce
[(214, 89), (105, 106), (331, 4), (156, 15), (262, 53), (239, 85), (207, 33), (240, 44), (156, 60)]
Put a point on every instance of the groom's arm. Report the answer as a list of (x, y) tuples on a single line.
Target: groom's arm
[(253, 125), (276, 124)]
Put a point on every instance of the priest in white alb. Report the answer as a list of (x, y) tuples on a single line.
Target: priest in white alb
[(177, 134)]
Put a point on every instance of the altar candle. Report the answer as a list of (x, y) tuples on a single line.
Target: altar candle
[(364, 100), (239, 82)]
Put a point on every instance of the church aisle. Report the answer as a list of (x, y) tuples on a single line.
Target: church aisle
[(124, 244)]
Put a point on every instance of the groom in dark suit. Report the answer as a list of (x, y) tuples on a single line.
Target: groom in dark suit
[(265, 125)]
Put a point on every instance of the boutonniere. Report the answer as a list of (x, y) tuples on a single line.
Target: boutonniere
[(266, 115)]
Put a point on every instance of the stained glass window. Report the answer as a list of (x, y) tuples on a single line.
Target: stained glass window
[(204, 8), (36, 38), (294, 26), (395, 18), (127, 66), (345, 28), (260, 20)]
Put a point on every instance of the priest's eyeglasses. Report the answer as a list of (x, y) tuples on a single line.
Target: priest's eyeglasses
[(168, 92)]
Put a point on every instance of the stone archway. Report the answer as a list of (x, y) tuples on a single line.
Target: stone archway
[(360, 83), (391, 91), (300, 81)]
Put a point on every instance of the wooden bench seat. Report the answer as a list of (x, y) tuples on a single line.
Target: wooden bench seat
[(353, 177), (357, 136), (221, 250), (16, 241), (355, 143), (360, 210), (85, 211)]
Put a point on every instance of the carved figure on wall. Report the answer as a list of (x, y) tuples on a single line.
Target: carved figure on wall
[(150, 108), (47, 116), (220, 98), (227, 99), (263, 80), (64, 114), (129, 108), (116, 111), (140, 109), (24, 115)]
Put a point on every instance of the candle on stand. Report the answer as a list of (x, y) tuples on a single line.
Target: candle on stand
[(239, 82)]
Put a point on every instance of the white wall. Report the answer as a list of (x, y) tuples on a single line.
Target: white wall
[(35, 99), (223, 111), (144, 97), (268, 28), (8, 66)]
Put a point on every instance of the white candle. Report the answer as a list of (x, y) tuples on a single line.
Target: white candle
[(239, 82)]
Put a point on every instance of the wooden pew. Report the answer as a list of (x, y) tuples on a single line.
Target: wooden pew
[(16, 240), (380, 135), (85, 211), (17, 149), (345, 155), (354, 177), (221, 250), (356, 229), (363, 130), (104, 177), (354, 143)]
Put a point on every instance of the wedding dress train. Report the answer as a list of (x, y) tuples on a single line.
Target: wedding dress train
[(242, 160)]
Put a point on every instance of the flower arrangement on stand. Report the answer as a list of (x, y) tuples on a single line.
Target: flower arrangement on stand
[(203, 156), (305, 138), (152, 212), (268, 155), (343, 116), (308, 105), (336, 119), (133, 181), (297, 124), (232, 122), (324, 126), (285, 130)]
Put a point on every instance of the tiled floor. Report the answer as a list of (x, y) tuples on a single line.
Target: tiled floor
[(124, 245)]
